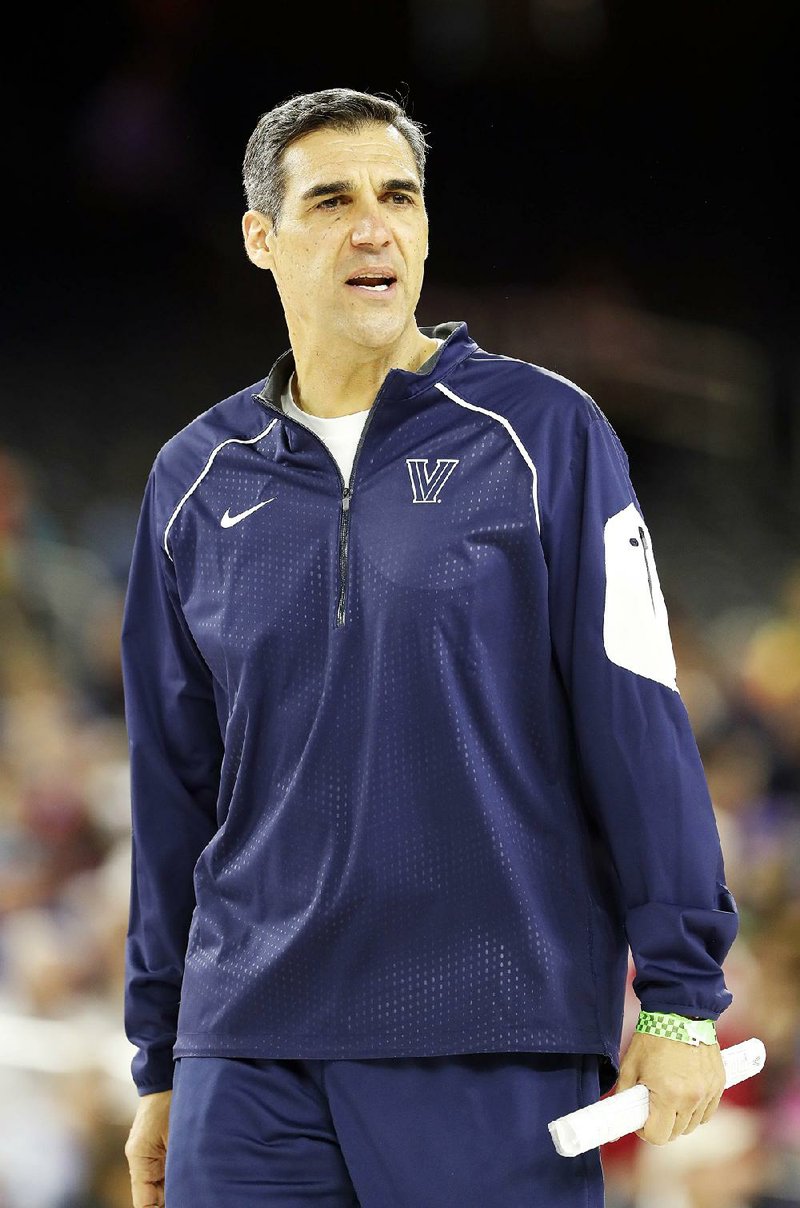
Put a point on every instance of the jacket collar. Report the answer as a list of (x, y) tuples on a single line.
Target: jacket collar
[(398, 383)]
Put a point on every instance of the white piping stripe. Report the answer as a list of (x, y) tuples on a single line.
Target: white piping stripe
[(502, 419), (232, 440)]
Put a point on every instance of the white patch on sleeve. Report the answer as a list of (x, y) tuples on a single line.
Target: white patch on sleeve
[(635, 624)]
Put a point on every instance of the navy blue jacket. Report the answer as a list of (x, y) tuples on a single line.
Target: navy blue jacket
[(409, 766)]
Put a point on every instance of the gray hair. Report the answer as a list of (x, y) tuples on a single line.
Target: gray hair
[(264, 174)]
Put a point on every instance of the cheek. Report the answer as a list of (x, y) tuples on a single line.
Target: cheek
[(417, 242), (300, 268), (417, 256)]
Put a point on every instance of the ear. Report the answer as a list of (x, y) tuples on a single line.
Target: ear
[(258, 236)]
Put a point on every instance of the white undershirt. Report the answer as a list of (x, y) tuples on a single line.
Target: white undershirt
[(341, 433)]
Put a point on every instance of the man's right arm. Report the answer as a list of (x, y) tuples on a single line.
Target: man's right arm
[(175, 756)]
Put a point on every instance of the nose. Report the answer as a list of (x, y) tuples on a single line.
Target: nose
[(370, 228)]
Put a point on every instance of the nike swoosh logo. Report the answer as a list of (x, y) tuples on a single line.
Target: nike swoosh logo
[(228, 521)]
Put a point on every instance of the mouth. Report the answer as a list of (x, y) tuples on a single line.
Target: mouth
[(375, 283)]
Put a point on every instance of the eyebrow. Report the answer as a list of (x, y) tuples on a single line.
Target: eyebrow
[(395, 185)]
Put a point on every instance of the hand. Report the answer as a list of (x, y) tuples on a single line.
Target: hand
[(146, 1149), (685, 1084)]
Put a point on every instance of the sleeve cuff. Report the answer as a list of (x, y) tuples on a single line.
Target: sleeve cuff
[(690, 1012), (153, 1071)]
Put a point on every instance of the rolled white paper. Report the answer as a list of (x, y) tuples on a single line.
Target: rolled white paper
[(626, 1112)]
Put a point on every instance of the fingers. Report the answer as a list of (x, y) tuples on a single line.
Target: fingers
[(664, 1124), (711, 1107), (667, 1119), (703, 1112), (692, 1123), (147, 1181), (683, 1122), (658, 1128), (147, 1195), (701, 1115), (663, 1127)]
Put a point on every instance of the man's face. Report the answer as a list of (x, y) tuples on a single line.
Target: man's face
[(352, 237)]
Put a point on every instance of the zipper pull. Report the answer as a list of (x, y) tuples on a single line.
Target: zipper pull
[(346, 498)]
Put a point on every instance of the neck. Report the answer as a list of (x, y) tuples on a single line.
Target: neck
[(343, 381)]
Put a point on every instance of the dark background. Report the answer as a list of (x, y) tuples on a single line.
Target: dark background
[(639, 147)]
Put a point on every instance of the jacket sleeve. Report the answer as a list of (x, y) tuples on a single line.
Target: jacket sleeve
[(175, 756), (642, 777)]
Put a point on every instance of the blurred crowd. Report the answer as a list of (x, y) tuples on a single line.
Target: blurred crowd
[(66, 1097)]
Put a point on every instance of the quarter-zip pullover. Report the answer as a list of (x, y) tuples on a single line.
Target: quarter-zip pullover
[(410, 769)]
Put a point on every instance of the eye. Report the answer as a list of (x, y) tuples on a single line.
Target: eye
[(402, 198), (329, 203)]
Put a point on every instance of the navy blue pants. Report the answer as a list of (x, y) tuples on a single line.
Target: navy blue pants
[(466, 1131)]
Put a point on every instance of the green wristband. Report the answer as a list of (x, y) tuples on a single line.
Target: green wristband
[(677, 1027)]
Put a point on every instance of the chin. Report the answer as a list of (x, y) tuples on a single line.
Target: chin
[(377, 331)]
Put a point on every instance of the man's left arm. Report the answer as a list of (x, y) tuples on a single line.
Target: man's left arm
[(642, 777)]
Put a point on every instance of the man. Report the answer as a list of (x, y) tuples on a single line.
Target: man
[(410, 768)]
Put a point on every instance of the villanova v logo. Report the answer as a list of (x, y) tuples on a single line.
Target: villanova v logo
[(426, 487)]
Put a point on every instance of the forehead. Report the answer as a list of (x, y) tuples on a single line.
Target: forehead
[(327, 154)]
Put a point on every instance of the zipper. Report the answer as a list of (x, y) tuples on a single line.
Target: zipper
[(344, 528), (346, 494), (643, 536)]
